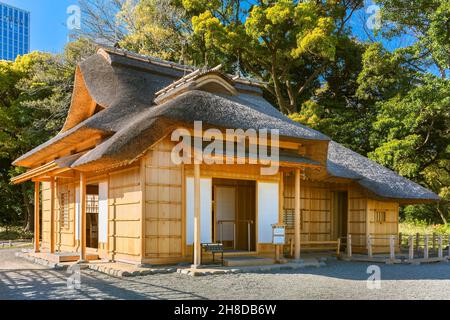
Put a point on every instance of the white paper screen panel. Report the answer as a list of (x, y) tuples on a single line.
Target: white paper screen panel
[(267, 210), (77, 214), (103, 212), (205, 210)]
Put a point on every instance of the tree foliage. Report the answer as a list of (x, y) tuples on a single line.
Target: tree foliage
[(390, 105), (428, 23), (287, 43), (35, 93)]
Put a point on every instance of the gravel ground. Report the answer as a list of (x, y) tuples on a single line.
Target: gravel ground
[(20, 279)]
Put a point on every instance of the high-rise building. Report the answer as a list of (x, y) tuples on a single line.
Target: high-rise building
[(14, 32)]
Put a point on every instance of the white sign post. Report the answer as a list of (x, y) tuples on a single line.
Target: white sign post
[(278, 239)]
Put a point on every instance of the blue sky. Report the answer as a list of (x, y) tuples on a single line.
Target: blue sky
[(49, 23)]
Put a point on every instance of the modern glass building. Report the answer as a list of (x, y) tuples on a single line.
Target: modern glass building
[(14, 32)]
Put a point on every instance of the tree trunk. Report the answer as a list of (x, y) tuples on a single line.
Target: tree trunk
[(28, 222), (277, 87), (441, 214)]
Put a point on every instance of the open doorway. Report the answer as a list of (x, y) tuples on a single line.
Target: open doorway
[(92, 210), (234, 214), (340, 213)]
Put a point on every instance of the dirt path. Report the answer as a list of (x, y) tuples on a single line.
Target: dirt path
[(8, 261), (20, 279)]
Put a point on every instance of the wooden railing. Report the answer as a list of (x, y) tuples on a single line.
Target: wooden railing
[(317, 245), (417, 246), (249, 223)]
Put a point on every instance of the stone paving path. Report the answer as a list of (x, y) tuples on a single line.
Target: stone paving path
[(20, 279)]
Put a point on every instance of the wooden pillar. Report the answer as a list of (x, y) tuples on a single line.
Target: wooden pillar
[(425, 247), (349, 245), (36, 217), (392, 247), (82, 218), (197, 245), (143, 187), (417, 241), (448, 243), (52, 215), (297, 215)]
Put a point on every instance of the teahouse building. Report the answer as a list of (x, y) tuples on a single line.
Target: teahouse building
[(107, 185)]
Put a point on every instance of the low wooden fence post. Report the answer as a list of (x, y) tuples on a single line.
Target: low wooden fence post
[(425, 246), (440, 255), (434, 241), (448, 246), (417, 242), (400, 240), (392, 247), (411, 247), (349, 245), (369, 246)]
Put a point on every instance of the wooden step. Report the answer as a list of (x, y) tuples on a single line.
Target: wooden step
[(247, 261), (65, 256), (76, 257)]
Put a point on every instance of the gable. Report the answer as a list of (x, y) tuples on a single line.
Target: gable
[(211, 81)]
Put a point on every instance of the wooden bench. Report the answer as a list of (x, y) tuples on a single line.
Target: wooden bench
[(318, 245), (213, 248)]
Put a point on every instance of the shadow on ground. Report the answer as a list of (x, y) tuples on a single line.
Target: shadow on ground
[(52, 285), (358, 271)]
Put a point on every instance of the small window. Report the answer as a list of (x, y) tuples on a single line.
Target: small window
[(380, 216), (289, 219), (64, 209)]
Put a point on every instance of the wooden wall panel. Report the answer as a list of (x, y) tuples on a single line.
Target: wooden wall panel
[(163, 203), (381, 230), (315, 203), (357, 218), (65, 233), (45, 213), (124, 234)]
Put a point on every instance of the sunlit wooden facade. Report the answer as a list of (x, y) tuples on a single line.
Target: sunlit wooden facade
[(136, 205)]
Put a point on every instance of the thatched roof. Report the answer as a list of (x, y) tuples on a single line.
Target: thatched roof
[(125, 112), (125, 88), (345, 163)]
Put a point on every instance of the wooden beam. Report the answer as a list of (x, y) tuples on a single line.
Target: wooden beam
[(297, 215), (36, 218), (197, 245), (40, 180), (83, 217), (52, 215)]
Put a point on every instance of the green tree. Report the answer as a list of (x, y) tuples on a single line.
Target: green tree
[(412, 136), (290, 44), (411, 131), (428, 23), (334, 108), (287, 43), (35, 93)]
